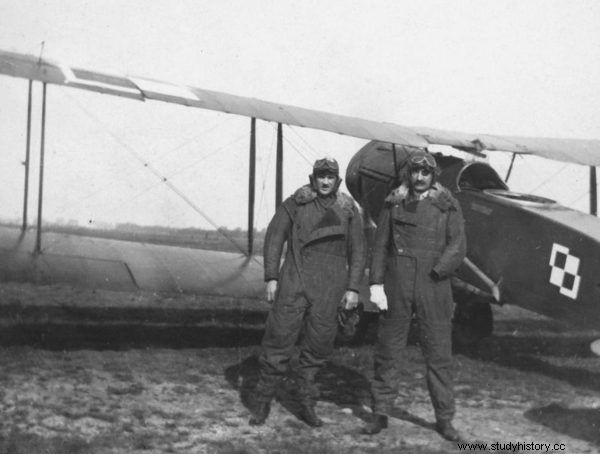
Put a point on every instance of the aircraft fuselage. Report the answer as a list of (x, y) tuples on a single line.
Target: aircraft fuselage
[(543, 256)]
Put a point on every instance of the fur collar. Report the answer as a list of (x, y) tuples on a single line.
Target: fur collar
[(304, 194), (307, 194), (438, 194)]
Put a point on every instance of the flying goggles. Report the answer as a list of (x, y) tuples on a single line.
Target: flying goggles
[(423, 160)]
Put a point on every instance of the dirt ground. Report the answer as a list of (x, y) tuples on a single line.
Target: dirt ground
[(167, 376)]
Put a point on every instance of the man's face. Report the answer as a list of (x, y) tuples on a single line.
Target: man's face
[(325, 183), (421, 179)]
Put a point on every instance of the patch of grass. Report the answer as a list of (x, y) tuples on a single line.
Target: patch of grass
[(193, 379), (20, 414), (317, 446), (143, 442), (123, 376), (229, 447), (294, 424), (157, 411), (100, 415), (115, 367), (230, 400), (67, 412), (18, 442), (182, 390), (198, 424), (231, 423), (127, 427), (213, 414), (134, 389), (139, 414)]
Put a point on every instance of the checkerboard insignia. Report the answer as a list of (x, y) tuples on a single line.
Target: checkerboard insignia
[(565, 269)]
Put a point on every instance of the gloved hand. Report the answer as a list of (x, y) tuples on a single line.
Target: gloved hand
[(349, 300), (271, 290), (348, 321), (378, 296)]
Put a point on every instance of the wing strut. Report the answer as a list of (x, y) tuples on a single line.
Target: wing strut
[(279, 167), (512, 161), (397, 178), (251, 186), (38, 241), (593, 192), (27, 152)]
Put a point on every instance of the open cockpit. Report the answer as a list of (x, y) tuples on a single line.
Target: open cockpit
[(481, 177)]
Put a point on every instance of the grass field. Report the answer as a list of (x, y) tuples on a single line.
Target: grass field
[(178, 386)]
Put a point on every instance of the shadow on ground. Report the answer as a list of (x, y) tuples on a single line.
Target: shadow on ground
[(128, 328), (530, 345), (338, 384), (56, 336), (581, 423), (542, 347)]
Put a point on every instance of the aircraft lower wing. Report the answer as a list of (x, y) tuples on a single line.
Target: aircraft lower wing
[(579, 151), (112, 264)]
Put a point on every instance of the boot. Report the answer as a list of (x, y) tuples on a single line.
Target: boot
[(377, 423), (308, 415), (445, 428), (260, 412)]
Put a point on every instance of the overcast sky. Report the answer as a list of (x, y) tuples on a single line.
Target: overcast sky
[(507, 67)]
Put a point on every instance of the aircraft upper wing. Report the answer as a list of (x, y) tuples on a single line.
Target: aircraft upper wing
[(586, 152), (577, 151)]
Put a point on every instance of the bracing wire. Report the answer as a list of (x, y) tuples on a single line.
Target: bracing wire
[(585, 193), (265, 173), (205, 156), (165, 181), (296, 149), (181, 145), (314, 152), (549, 178), (190, 140), (173, 174)]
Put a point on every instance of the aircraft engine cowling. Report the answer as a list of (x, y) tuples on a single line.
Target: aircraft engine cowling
[(371, 174)]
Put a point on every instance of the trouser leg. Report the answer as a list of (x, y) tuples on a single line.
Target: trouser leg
[(392, 333), (436, 343), (390, 350), (281, 333), (317, 347)]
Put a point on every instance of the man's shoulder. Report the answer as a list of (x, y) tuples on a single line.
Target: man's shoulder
[(346, 203), (306, 194), (439, 195), (303, 195), (397, 195), (442, 198)]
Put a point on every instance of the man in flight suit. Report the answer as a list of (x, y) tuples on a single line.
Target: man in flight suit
[(322, 270), (420, 241)]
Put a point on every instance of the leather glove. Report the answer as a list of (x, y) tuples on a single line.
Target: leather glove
[(435, 277), (378, 296), (348, 321)]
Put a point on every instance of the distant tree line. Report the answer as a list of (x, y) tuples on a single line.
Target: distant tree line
[(172, 236)]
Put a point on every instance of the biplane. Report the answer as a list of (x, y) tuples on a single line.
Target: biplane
[(522, 249)]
